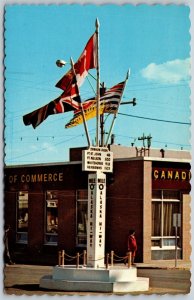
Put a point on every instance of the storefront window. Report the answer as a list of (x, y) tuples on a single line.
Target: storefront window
[(22, 217), (51, 235), (81, 217), (164, 205), (156, 216)]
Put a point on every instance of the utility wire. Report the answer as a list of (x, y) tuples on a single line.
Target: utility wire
[(44, 148), (153, 140), (153, 119)]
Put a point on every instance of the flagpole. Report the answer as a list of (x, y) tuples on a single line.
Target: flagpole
[(97, 85), (82, 110), (115, 115)]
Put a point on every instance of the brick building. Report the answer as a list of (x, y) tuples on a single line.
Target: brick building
[(46, 206)]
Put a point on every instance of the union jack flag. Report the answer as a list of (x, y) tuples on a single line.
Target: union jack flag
[(69, 100)]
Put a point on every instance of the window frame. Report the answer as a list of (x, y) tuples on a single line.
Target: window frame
[(52, 235), (21, 233), (84, 199), (161, 238)]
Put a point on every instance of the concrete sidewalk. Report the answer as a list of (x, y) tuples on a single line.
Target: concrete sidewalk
[(24, 279), (166, 264)]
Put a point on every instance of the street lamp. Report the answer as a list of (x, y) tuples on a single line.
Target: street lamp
[(60, 63)]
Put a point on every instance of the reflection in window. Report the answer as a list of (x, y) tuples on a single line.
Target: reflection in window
[(169, 208), (81, 221), (51, 217), (22, 217)]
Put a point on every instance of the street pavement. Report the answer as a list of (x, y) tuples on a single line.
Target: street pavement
[(24, 280)]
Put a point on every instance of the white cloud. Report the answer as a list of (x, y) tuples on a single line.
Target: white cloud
[(169, 72), (44, 146), (49, 147)]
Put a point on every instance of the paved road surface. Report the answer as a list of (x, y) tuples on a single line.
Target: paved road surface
[(24, 279)]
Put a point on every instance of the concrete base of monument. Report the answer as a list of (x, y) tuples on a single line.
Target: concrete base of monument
[(116, 279)]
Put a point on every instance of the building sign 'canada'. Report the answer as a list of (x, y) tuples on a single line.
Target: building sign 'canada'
[(171, 174)]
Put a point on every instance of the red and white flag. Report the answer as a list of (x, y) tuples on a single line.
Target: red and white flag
[(86, 61)]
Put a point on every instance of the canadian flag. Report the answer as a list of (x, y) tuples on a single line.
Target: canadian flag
[(86, 61)]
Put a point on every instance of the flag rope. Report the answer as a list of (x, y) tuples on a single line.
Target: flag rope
[(82, 110)]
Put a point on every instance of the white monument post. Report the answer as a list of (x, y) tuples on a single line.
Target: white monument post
[(99, 160), (96, 220)]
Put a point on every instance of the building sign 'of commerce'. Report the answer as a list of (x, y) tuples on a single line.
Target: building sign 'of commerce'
[(97, 159), (43, 177)]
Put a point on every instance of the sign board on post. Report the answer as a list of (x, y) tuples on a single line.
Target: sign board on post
[(97, 159)]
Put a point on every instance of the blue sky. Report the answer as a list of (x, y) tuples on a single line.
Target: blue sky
[(151, 41)]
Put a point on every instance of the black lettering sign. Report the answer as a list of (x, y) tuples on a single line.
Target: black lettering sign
[(101, 186)]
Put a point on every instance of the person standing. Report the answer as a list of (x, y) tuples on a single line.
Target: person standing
[(7, 256), (132, 245)]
